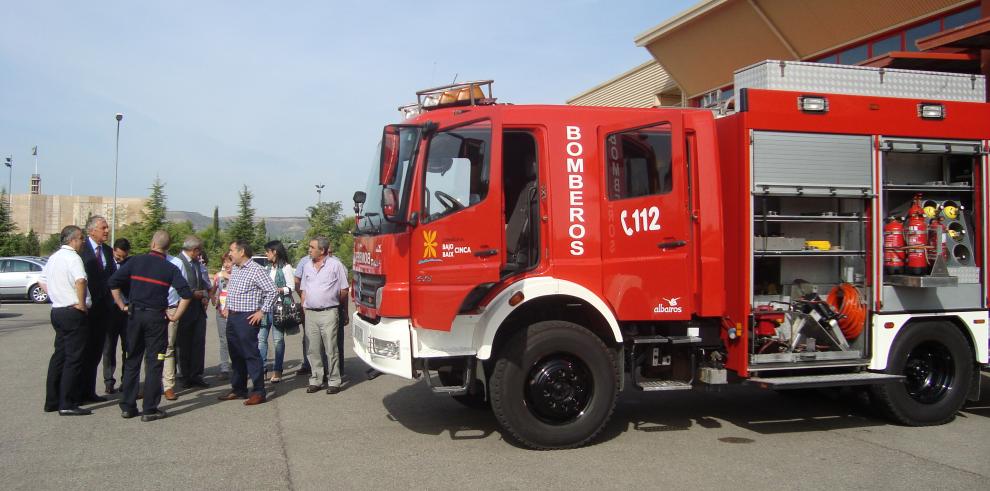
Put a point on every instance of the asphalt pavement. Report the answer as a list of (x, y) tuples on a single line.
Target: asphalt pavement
[(393, 433)]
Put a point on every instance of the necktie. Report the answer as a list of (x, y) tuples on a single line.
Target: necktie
[(99, 254)]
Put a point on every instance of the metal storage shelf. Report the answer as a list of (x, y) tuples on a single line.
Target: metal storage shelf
[(842, 253), (809, 218), (933, 189)]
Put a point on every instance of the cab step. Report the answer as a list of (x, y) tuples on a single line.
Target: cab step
[(655, 385), (829, 380)]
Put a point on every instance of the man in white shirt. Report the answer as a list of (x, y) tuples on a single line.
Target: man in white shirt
[(64, 278)]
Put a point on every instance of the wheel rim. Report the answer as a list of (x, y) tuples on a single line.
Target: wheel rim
[(38, 295), (929, 372), (558, 389)]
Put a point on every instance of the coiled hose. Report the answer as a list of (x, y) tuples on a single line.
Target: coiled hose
[(852, 311)]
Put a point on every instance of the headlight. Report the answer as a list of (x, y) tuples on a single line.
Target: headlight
[(383, 348)]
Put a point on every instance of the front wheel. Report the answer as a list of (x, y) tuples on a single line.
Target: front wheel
[(38, 294), (937, 365), (554, 386)]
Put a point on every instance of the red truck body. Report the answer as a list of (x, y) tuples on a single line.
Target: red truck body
[(639, 228)]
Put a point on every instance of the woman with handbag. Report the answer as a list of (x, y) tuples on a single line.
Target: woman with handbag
[(281, 273)]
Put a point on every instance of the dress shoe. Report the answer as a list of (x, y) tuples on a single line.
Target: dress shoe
[(304, 371), (230, 396), (255, 399), (169, 395), (333, 389), (153, 415), (313, 388), (76, 411), (94, 398), (110, 389), (128, 413), (50, 409), (197, 382)]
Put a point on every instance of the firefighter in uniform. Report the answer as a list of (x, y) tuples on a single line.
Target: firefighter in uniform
[(149, 277)]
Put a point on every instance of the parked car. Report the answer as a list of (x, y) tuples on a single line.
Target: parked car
[(19, 278)]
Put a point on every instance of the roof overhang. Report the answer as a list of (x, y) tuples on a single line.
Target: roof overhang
[(703, 46), (933, 62)]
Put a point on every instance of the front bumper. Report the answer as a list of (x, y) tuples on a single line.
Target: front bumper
[(385, 346)]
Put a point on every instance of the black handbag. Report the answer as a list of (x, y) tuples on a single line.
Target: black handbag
[(287, 315)]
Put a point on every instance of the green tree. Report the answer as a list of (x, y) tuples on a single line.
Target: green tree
[(32, 247), (152, 219), (343, 248), (260, 236), (8, 239), (178, 232), (51, 244), (324, 219), (243, 226), (215, 240)]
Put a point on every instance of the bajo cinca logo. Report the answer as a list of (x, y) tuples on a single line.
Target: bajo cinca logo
[(429, 244)]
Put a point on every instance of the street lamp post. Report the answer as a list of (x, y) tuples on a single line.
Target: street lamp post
[(116, 154), (319, 193), (10, 180)]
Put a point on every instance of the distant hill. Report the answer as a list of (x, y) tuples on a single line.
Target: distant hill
[(288, 227)]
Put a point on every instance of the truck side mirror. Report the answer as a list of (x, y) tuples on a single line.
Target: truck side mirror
[(390, 155)]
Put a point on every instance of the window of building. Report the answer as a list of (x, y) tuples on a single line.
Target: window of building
[(828, 59), (457, 167), (916, 33), (886, 45), (853, 55), (639, 162), (961, 18)]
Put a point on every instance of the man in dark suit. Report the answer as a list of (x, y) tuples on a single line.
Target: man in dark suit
[(117, 330), (99, 264)]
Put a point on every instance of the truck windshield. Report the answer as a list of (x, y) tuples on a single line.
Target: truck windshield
[(372, 220)]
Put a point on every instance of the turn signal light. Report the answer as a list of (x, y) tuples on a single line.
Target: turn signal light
[(516, 298), (888, 325)]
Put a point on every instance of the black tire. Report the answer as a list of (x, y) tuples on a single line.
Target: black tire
[(938, 365), (37, 294), (474, 399), (567, 359)]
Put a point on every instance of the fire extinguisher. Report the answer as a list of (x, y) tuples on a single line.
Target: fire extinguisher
[(937, 232), (893, 246), (916, 239)]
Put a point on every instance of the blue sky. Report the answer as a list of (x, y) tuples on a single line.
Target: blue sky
[(275, 95)]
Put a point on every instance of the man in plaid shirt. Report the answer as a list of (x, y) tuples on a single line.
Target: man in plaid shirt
[(250, 294)]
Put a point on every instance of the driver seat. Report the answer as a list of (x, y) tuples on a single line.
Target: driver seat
[(518, 228)]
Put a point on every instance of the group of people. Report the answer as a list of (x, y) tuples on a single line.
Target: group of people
[(155, 305)]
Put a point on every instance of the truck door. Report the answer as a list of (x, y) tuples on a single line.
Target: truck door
[(647, 261), (456, 244)]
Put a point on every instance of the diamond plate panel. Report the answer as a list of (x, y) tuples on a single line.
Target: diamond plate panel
[(826, 78)]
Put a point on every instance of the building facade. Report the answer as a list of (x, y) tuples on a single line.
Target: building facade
[(46, 214), (695, 53)]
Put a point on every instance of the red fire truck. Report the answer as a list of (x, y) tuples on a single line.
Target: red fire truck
[(539, 259)]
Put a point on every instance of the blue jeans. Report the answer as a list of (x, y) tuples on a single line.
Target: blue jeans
[(278, 336)]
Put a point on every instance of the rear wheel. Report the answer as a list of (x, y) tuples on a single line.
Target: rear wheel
[(937, 365), (37, 294), (554, 386)]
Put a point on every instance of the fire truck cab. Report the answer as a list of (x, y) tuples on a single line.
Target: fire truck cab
[(539, 259)]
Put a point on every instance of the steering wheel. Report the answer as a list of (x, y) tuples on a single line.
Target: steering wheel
[(449, 202)]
